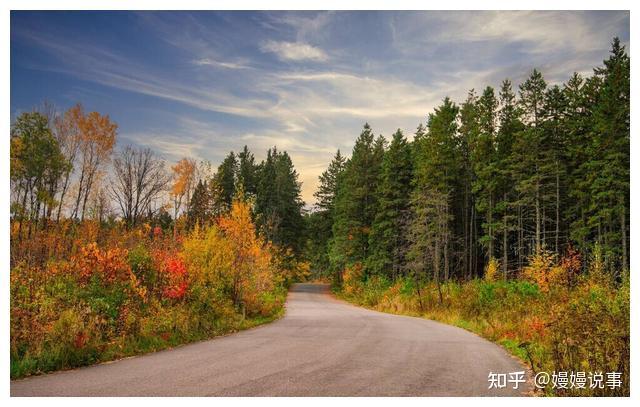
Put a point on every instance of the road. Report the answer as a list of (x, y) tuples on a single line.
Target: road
[(322, 347)]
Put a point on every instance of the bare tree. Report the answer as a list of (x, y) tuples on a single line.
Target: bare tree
[(139, 179)]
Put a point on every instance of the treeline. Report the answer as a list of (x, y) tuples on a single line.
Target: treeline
[(65, 168), (499, 178)]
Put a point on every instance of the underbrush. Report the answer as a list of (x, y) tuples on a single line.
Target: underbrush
[(121, 297)]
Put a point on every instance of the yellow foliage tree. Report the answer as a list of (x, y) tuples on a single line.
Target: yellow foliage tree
[(183, 182), (232, 255)]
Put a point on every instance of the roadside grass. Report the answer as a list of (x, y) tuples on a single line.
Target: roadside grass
[(163, 327), (63, 357)]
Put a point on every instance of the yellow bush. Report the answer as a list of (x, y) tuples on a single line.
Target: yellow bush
[(491, 269), (544, 271)]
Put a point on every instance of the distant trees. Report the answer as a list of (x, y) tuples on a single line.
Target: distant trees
[(278, 205), (272, 187), (497, 179), (320, 222)]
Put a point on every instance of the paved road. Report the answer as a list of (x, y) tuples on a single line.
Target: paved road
[(322, 347)]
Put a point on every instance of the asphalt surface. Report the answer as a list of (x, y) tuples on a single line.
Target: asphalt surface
[(322, 347)]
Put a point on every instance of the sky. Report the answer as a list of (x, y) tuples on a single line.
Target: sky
[(201, 84)]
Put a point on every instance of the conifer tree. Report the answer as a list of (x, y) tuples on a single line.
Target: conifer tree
[(278, 204), (246, 176), (225, 180), (355, 203), (388, 239)]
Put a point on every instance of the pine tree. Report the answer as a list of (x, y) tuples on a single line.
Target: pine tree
[(579, 94), (320, 222), (555, 106), (225, 180), (389, 230), (529, 156), (469, 131), (435, 175), (355, 203), (278, 205), (485, 165), (509, 127), (247, 172), (327, 189), (200, 208), (610, 153)]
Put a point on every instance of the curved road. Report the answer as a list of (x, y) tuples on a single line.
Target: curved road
[(322, 347)]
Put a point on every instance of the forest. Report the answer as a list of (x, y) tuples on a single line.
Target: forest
[(506, 214)]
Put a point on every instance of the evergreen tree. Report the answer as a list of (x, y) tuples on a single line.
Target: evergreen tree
[(355, 203), (278, 203), (483, 155), (389, 230), (510, 126), (320, 222), (609, 164), (247, 172), (435, 176), (225, 180), (327, 189), (469, 134), (529, 157), (200, 208)]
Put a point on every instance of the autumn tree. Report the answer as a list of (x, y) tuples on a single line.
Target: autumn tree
[(97, 139), (67, 132), (182, 186)]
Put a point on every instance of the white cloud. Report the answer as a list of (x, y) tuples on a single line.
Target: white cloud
[(221, 64), (294, 51), (311, 113)]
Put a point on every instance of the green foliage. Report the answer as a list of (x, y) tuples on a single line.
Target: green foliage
[(278, 205), (356, 201), (388, 238)]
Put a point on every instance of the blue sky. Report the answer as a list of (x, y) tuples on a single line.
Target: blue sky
[(201, 84)]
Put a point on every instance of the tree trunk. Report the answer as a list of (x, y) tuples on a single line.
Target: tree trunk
[(557, 204), (505, 236), (490, 219), (623, 228), (538, 228)]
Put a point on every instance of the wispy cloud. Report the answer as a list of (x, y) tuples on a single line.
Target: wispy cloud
[(294, 51), (305, 82), (220, 64)]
